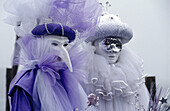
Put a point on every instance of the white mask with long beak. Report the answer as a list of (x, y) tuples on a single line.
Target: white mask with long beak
[(59, 43)]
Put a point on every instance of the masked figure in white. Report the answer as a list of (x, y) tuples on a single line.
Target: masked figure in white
[(115, 73)]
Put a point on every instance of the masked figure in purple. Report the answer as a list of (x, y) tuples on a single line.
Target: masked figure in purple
[(47, 81), (51, 56)]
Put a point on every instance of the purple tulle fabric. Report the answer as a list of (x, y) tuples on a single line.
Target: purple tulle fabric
[(80, 15), (46, 80)]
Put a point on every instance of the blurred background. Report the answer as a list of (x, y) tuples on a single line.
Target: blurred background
[(150, 21)]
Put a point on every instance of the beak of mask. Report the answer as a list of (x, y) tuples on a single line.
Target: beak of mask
[(59, 43)]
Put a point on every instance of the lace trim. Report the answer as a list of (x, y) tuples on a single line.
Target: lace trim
[(118, 88)]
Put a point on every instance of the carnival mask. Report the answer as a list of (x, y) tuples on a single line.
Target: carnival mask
[(109, 48), (59, 44)]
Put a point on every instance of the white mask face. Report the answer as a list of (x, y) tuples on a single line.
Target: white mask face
[(59, 44), (109, 48)]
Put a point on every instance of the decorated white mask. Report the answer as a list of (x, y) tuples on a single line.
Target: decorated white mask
[(59, 44), (109, 48)]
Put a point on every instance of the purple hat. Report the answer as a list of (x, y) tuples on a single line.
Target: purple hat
[(54, 29)]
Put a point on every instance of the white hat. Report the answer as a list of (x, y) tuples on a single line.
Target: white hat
[(111, 26)]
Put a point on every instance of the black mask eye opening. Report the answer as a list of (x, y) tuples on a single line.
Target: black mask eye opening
[(65, 45), (54, 44)]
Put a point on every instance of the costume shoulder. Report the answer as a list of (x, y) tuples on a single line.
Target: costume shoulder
[(20, 96), (129, 59), (21, 89), (128, 54), (24, 81)]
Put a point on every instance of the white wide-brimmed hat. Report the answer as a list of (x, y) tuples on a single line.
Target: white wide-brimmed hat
[(111, 25)]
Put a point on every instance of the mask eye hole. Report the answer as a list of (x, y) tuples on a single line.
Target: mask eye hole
[(65, 45), (118, 45), (54, 44), (106, 42)]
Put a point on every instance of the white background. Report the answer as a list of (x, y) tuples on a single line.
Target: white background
[(150, 20), (7, 38)]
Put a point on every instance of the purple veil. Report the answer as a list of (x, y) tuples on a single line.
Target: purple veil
[(80, 15)]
